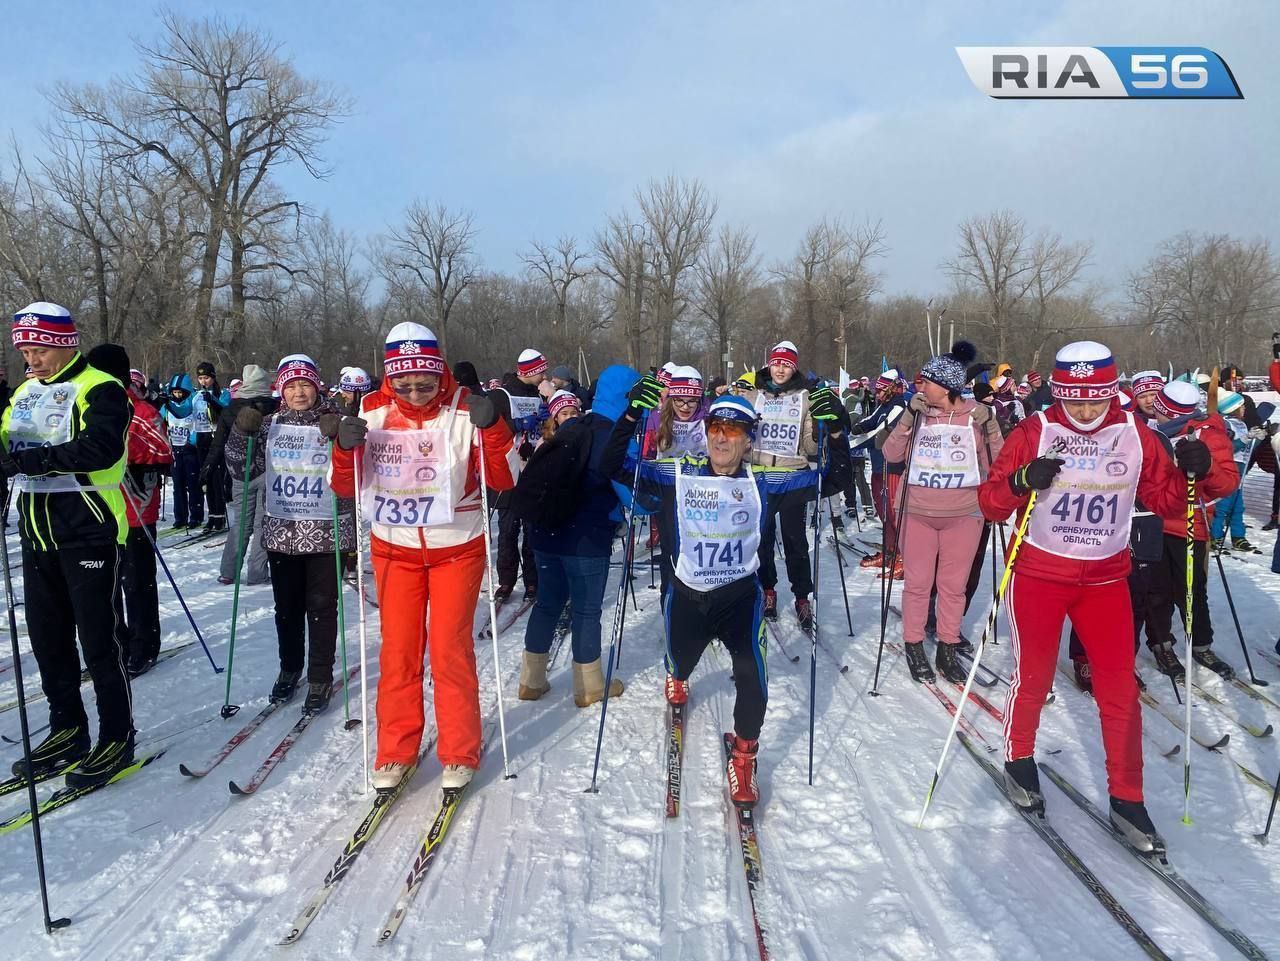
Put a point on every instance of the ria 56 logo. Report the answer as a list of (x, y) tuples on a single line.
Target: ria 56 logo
[(1073, 73)]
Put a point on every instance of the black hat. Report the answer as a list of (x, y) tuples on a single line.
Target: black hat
[(464, 372), (204, 368), (111, 359)]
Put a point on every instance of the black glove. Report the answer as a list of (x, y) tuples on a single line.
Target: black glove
[(645, 395), (328, 424), (249, 420), (482, 411), (1192, 457), (525, 450), (822, 405), (1038, 475), (352, 432)]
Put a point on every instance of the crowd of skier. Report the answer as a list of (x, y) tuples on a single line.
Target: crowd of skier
[(1108, 484)]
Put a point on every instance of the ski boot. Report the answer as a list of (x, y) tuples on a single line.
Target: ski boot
[(918, 663), (59, 748), (869, 513), (1133, 824), (139, 663), (285, 687), (743, 790), (804, 614), (1273, 524), (105, 761), (1215, 545), (531, 594), (965, 647), (501, 593), (1243, 546), (1022, 784), (533, 676), (875, 560), (1167, 662), (455, 778), (387, 776), (1205, 657), (851, 512), (948, 664), (895, 573), (1084, 674), (677, 691), (770, 604), (317, 697)]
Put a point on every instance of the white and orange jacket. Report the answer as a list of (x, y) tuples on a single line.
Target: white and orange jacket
[(383, 410)]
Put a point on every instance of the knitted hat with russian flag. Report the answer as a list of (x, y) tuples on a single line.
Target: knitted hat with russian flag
[(785, 353), (1176, 399), (889, 380), (664, 373), (1146, 381), (530, 363), (297, 367), (1084, 370), (43, 324), (412, 349), (562, 399), (685, 382)]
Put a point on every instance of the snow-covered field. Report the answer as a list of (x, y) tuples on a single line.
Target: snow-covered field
[(165, 867)]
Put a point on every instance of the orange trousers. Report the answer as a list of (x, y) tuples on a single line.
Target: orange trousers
[(409, 579)]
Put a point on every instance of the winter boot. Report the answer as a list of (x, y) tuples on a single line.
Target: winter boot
[(502, 592), (851, 512), (1205, 657), (286, 686), (1133, 824), (677, 691), (217, 523), (533, 676), (59, 748), (588, 684), (742, 772), (1272, 524), (105, 761), (1243, 546), (1022, 784), (1167, 662), (895, 573), (317, 697), (948, 664), (531, 594), (1084, 674), (1215, 545), (875, 560), (456, 777), (918, 663), (770, 604), (139, 663), (387, 776), (804, 614), (869, 513)]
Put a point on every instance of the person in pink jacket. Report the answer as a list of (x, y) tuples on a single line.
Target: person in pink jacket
[(948, 443)]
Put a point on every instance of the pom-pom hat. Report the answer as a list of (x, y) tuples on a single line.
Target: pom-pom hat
[(297, 367), (530, 363), (950, 370), (43, 324), (562, 399), (1084, 370), (734, 409), (785, 353), (685, 382), (1145, 381), (412, 349), (1177, 398)]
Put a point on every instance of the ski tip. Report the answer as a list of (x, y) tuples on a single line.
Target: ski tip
[(1221, 743), (352, 724), (844, 668), (187, 772), (237, 790), (1266, 731)]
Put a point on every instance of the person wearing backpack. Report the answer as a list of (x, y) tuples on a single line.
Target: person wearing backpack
[(572, 511)]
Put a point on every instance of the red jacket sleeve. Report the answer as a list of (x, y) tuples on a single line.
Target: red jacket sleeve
[(1273, 373), (495, 446), (995, 497)]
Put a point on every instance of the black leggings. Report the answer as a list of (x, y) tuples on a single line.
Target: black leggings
[(735, 614), (306, 592), (789, 509)]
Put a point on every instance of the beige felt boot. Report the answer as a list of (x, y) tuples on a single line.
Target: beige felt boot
[(588, 684), (533, 676)]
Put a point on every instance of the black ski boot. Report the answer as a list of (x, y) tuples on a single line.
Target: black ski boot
[(1167, 662), (139, 663), (1084, 674), (1242, 545), (1205, 657), (918, 663), (1131, 821), (56, 751), (531, 594), (1272, 524), (804, 614), (317, 697), (1022, 784), (947, 660), (105, 761), (770, 604), (286, 686)]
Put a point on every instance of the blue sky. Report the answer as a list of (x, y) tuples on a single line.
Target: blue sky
[(541, 118)]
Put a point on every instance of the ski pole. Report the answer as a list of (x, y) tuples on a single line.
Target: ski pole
[(50, 923), (137, 509), (813, 633), (615, 642), (493, 608), (1018, 535), (889, 566), (357, 460), (844, 588), (349, 723), (229, 709), (1266, 832), (1226, 589), (1191, 660)]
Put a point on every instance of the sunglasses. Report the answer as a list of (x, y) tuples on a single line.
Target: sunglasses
[(419, 389), (727, 428)]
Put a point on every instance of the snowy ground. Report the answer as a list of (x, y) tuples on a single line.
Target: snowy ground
[(163, 867)]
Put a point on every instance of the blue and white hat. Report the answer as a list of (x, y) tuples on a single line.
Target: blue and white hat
[(736, 409), (43, 324), (297, 367), (355, 380)]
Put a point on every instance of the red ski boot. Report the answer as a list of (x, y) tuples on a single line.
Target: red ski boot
[(742, 773)]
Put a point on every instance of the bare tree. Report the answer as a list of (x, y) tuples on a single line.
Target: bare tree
[(220, 107), (820, 244), (620, 259), (559, 266), (727, 270), (433, 251), (678, 214), (847, 281)]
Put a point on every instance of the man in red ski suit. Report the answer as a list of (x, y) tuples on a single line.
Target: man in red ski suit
[(1074, 562)]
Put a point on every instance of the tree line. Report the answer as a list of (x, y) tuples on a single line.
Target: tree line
[(154, 211)]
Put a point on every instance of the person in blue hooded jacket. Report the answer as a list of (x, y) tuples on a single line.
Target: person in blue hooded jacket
[(180, 420), (573, 558)]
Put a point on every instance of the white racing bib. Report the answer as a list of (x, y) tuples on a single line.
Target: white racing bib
[(1086, 514), (522, 407), (780, 420), (687, 437), (297, 463), (719, 523), (180, 430), (42, 417), (408, 478), (200, 415), (946, 455)]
